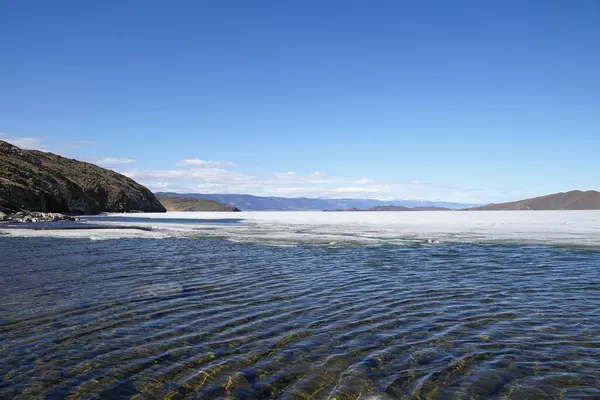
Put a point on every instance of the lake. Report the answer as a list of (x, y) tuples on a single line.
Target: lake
[(304, 305)]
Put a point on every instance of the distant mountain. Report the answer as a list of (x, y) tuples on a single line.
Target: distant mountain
[(248, 202), (394, 208), (574, 200), (173, 203), (400, 208)]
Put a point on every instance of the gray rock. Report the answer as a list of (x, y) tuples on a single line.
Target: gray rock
[(34, 216)]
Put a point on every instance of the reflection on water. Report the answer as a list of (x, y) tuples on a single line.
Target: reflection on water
[(197, 318)]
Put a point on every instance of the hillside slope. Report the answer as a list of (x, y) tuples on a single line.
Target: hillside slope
[(37, 181), (173, 203), (573, 200)]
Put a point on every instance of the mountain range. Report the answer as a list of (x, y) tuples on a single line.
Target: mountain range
[(246, 202), (38, 181)]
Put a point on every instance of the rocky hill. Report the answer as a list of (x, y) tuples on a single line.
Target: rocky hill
[(37, 181), (573, 200), (173, 203)]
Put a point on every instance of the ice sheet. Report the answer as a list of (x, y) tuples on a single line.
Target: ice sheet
[(570, 228)]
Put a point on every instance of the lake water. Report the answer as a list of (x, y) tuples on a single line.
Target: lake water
[(297, 305)]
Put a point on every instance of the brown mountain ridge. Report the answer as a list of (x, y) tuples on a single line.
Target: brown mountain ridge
[(32, 180), (573, 200), (173, 203)]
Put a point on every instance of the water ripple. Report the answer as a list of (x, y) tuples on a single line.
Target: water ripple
[(188, 318)]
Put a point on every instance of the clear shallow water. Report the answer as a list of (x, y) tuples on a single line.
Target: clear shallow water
[(202, 318)]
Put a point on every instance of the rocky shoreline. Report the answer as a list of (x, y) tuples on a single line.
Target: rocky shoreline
[(23, 217), (41, 221)]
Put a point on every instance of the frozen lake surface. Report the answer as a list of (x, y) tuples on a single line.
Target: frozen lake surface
[(562, 228)]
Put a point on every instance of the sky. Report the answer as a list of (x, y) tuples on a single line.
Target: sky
[(467, 101)]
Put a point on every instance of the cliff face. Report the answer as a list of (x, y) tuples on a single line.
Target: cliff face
[(38, 181), (173, 203)]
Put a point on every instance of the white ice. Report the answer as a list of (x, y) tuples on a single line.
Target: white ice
[(571, 228)]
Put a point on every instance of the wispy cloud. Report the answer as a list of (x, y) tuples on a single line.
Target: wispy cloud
[(73, 144), (198, 162), (201, 176), (115, 161), (42, 143), (28, 143), (293, 184)]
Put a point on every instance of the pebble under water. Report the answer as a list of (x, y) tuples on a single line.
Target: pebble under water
[(204, 318)]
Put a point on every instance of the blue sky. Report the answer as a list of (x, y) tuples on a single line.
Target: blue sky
[(444, 100)]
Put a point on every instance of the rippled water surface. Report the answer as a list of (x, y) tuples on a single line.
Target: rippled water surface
[(207, 318)]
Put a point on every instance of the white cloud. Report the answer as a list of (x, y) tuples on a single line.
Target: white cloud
[(359, 189), (115, 161), (365, 181), (28, 143), (73, 144), (40, 143), (195, 175), (317, 184), (198, 162)]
